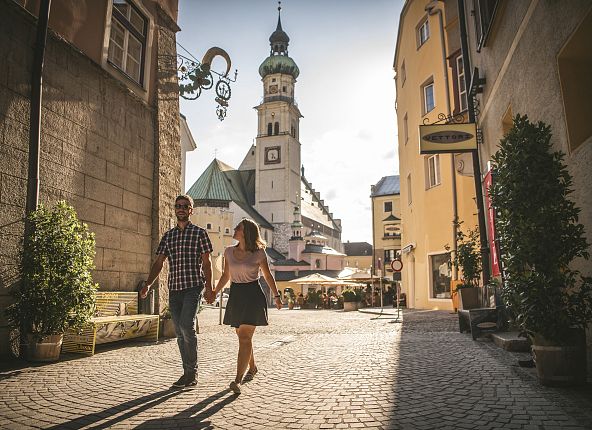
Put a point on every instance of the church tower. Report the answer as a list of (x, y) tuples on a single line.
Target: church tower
[(278, 181)]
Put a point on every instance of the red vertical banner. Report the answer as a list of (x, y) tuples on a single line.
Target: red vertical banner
[(495, 266)]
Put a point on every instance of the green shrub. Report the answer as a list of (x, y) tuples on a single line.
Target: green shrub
[(350, 295), (537, 225), (56, 290)]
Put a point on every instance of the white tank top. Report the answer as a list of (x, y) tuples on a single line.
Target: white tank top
[(246, 269)]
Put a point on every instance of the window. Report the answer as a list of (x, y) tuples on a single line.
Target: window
[(269, 128), (392, 230), (433, 171), (226, 230), (428, 97), (484, 13), (409, 198), (208, 226), (423, 32), (317, 263), (276, 129), (406, 128), (403, 74), (462, 88), (388, 206), (284, 89), (574, 61), (127, 41), (440, 277), (389, 255)]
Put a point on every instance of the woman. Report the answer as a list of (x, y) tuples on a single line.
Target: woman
[(247, 306)]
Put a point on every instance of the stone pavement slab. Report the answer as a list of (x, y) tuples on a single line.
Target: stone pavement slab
[(317, 369)]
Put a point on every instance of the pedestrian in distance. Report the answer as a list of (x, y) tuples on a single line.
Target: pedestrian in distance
[(247, 306), (188, 248)]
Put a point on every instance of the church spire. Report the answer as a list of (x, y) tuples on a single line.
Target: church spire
[(279, 40)]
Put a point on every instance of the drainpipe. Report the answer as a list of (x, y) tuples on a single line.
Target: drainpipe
[(35, 112), (476, 164), (432, 10), (373, 233)]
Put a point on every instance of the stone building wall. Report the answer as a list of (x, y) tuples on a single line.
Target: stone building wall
[(115, 158)]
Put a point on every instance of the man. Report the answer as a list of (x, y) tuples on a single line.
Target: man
[(188, 249)]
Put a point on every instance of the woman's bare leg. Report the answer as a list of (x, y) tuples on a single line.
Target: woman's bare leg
[(245, 350)]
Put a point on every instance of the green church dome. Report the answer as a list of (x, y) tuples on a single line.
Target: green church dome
[(279, 64)]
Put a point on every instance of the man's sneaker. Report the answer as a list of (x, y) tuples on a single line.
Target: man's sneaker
[(181, 382), (190, 381)]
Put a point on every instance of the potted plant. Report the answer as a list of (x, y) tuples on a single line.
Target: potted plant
[(540, 237), (351, 300), (467, 258), (56, 289)]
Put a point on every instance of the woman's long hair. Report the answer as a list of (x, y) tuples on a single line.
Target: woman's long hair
[(253, 240)]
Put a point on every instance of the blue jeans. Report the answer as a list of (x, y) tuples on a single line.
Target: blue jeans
[(183, 305)]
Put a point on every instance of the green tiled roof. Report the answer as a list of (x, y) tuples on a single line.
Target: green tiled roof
[(220, 182)]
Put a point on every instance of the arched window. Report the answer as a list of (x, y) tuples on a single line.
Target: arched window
[(276, 130), (269, 129)]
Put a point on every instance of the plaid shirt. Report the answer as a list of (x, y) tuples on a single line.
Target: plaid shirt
[(183, 248)]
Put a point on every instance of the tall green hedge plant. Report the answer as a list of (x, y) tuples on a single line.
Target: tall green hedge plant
[(537, 225), (57, 291)]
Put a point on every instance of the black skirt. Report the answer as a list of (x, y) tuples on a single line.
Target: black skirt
[(246, 305)]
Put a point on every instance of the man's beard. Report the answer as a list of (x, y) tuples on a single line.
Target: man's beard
[(182, 218)]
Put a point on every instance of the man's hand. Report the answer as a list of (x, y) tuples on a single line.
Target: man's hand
[(209, 295)]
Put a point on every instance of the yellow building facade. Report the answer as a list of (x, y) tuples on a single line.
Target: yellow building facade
[(435, 189), (386, 223)]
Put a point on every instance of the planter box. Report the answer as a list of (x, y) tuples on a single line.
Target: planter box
[(351, 306), (47, 349)]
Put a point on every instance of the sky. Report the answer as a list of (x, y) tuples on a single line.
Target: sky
[(345, 92)]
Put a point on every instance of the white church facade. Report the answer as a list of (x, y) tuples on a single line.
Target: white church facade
[(269, 186)]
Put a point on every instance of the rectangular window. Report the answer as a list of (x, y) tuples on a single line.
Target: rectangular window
[(388, 206), (462, 88), (423, 32), (406, 128), (403, 74), (433, 171), (127, 41), (484, 13), (440, 276), (409, 198), (429, 102), (389, 255)]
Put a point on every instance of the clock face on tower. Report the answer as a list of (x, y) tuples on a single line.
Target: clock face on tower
[(273, 89), (273, 155)]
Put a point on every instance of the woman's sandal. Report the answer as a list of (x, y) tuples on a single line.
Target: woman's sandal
[(236, 388), (250, 375)]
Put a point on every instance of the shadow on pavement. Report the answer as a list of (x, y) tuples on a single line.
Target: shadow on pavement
[(132, 407), (195, 416)]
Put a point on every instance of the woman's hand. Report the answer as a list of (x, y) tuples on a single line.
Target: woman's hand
[(278, 303)]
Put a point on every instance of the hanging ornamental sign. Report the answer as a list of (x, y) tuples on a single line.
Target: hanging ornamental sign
[(447, 138), (195, 76)]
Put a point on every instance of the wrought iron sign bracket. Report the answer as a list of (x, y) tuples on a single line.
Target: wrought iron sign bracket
[(195, 76)]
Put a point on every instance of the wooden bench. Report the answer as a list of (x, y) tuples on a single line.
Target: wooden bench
[(116, 318), (474, 318)]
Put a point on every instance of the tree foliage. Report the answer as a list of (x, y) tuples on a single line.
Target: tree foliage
[(56, 291), (537, 225)]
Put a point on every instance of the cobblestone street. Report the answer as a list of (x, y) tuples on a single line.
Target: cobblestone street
[(317, 370)]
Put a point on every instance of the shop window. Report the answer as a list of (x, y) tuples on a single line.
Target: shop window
[(440, 276), (127, 40)]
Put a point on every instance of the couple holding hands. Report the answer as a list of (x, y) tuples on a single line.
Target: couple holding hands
[(188, 249)]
